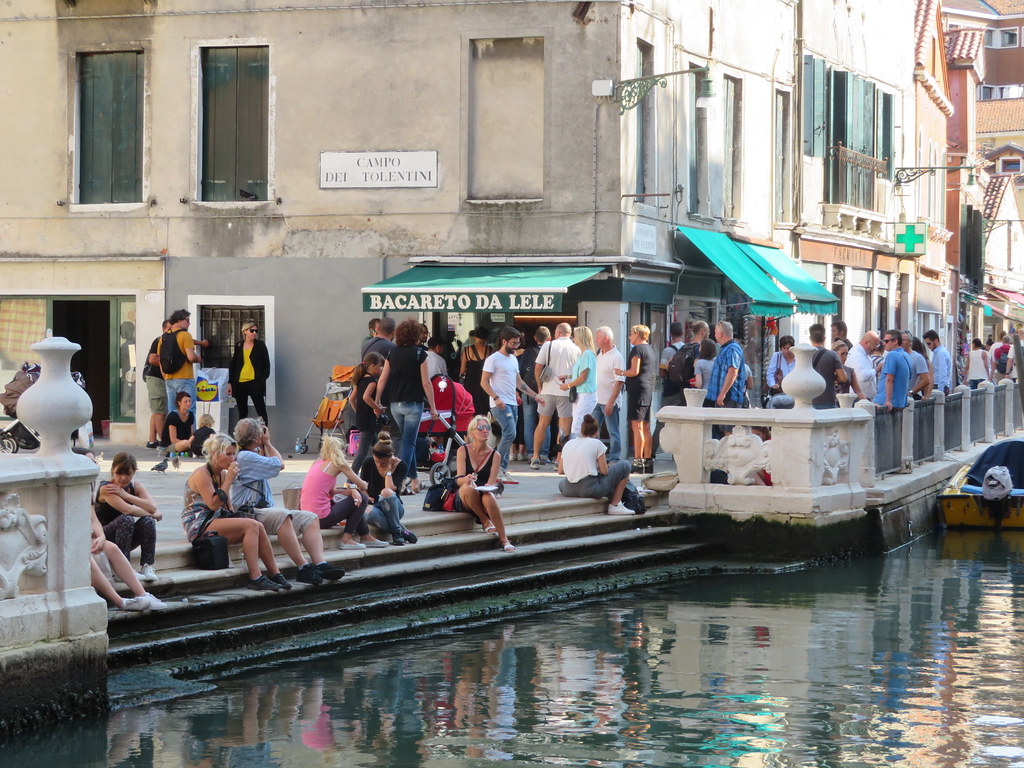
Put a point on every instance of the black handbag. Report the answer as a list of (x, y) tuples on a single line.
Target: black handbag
[(573, 395), (211, 552)]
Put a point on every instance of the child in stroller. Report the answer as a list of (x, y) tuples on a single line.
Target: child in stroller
[(434, 452)]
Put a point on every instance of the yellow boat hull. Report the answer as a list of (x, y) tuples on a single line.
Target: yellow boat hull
[(966, 510)]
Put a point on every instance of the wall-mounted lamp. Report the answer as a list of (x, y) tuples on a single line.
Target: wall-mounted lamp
[(629, 93)]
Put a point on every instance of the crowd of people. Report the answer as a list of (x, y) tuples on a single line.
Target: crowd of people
[(547, 403)]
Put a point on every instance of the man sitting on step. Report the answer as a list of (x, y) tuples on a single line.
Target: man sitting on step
[(258, 461)]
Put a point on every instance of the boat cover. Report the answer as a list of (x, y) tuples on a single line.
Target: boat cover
[(1006, 453)]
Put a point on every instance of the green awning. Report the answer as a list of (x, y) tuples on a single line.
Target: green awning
[(811, 296), (498, 288), (766, 298), (986, 308)]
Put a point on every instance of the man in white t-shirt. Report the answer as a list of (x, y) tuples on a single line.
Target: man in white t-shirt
[(865, 377), (559, 355), (609, 386), (436, 365), (500, 380)]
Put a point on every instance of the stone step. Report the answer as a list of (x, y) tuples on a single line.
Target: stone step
[(458, 537), (177, 572), (234, 619)]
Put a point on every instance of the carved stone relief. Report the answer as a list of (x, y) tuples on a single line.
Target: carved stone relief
[(22, 545), (742, 455), (835, 458)]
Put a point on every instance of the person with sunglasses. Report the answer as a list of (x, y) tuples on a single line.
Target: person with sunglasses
[(249, 371), (477, 470), (894, 382)]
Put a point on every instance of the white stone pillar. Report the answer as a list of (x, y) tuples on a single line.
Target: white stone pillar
[(907, 441), (867, 459), (988, 402), (53, 642), (939, 420), (965, 415)]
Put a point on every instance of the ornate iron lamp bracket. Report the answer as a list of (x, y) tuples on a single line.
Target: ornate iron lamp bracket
[(629, 93)]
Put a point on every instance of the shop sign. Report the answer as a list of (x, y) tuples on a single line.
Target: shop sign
[(366, 170), (462, 302), (845, 255), (645, 239), (911, 238)]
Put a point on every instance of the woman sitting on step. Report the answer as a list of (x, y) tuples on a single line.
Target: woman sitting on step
[(128, 513), (384, 476), (207, 497), (587, 472), (336, 504), (140, 600), (477, 478)]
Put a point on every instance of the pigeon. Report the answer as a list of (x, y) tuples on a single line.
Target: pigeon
[(247, 195), (161, 467), (176, 461)]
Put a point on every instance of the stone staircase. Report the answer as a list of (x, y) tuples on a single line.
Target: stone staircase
[(558, 541)]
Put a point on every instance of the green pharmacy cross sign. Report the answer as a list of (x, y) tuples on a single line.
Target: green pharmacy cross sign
[(910, 238)]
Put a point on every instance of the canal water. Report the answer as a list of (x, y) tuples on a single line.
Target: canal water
[(915, 657)]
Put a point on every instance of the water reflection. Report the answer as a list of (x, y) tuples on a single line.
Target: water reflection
[(913, 657)]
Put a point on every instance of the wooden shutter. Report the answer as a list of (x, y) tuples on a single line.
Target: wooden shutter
[(235, 123), (815, 113), (110, 127)]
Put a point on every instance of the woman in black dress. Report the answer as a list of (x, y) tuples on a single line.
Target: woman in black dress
[(642, 366), (364, 402), (471, 369)]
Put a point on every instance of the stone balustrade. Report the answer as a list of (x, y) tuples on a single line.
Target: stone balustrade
[(53, 640)]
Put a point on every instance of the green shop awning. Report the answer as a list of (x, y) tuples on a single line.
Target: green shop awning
[(811, 296), (986, 308), (766, 298), (498, 288)]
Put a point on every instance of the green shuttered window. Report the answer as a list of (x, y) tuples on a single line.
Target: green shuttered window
[(110, 127), (235, 120)]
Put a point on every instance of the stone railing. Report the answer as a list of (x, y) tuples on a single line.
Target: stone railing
[(53, 638), (820, 463)]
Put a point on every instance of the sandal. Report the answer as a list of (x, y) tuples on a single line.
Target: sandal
[(507, 546), (490, 528)]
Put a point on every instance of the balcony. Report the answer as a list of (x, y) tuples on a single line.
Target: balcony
[(853, 201)]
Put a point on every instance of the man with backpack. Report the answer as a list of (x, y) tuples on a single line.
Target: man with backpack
[(177, 353), (1003, 361), (678, 368)]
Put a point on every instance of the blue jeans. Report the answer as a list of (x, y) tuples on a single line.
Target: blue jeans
[(407, 418), (506, 418), (530, 426), (614, 434), (387, 514), (174, 386)]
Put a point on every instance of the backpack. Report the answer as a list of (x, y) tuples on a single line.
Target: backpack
[(171, 356), (680, 368), (631, 499), (1001, 361)]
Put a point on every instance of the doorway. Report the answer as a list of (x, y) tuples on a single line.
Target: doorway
[(87, 323)]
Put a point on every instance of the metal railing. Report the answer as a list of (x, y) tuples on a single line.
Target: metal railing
[(999, 411), (850, 177), (953, 423), (888, 441), (977, 430), (1018, 413), (924, 429)]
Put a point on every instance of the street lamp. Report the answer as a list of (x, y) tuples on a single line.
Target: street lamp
[(629, 93), (907, 175)]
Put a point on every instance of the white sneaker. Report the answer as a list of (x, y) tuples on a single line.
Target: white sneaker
[(155, 603), (147, 573), (140, 603), (506, 478), (619, 509)]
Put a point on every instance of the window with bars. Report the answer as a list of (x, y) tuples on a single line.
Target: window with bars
[(223, 327)]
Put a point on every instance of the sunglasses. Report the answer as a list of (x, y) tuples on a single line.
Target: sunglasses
[(253, 330), (483, 427), (889, 341)]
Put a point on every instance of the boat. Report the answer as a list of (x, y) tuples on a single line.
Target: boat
[(961, 504)]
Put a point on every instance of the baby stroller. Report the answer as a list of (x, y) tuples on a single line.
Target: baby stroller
[(331, 411), (16, 436), (437, 436)]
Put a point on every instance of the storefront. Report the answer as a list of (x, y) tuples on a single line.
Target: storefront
[(455, 298)]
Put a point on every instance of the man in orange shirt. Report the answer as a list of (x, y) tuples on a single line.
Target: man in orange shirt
[(183, 379)]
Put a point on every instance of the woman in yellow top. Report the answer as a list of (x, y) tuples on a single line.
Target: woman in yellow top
[(250, 369)]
